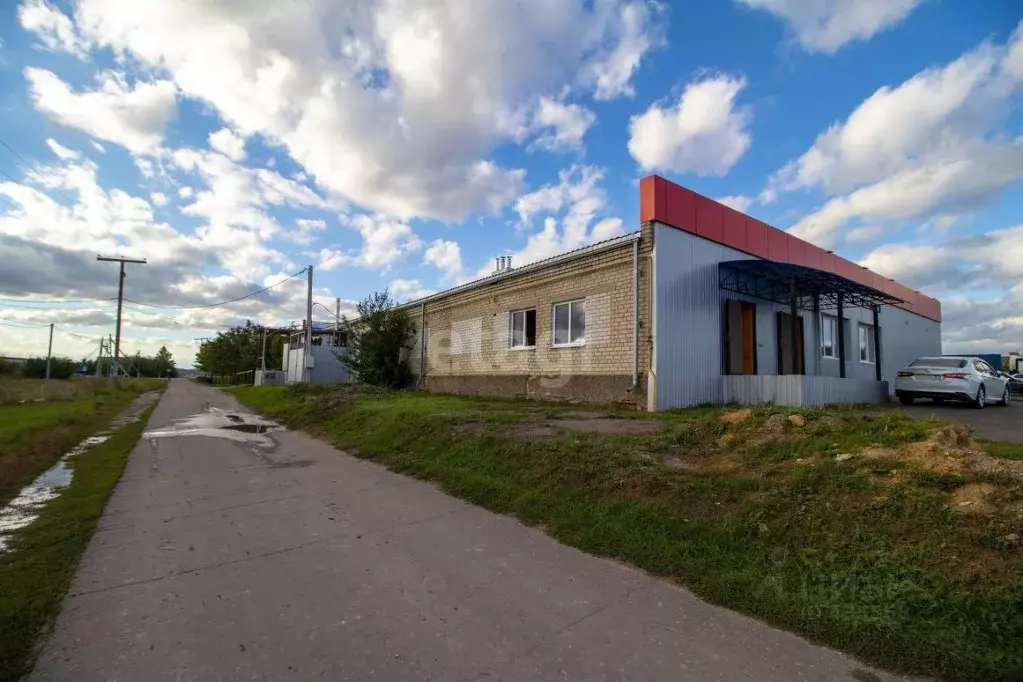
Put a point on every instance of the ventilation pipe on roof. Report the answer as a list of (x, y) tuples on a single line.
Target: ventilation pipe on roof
[(507, 263)]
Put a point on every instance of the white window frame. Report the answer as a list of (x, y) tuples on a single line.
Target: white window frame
[(554, 307), (836, 330), (511, 329), (871, 351)]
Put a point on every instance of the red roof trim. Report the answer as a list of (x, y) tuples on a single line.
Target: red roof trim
[(681, 208)]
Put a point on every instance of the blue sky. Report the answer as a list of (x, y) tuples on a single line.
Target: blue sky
[(406, 143)]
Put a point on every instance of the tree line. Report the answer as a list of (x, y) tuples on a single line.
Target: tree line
[(159, 365)]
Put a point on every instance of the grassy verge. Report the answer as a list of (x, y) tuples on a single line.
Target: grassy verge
[(33, 435), (37, 571), (875, 533)]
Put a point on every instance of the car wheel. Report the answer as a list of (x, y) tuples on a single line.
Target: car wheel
[(981, 400), (1004, 402), (906, 400)]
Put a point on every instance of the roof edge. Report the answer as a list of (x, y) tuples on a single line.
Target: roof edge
[(582, 252)]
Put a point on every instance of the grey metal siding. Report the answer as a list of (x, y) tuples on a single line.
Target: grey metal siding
[(796, 390), (688, 327)]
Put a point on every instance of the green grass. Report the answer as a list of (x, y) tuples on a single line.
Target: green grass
[(1004, 450), (33, 435), (37, 570), (866, 555)]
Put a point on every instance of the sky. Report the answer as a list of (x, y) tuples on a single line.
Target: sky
[(404, 144)]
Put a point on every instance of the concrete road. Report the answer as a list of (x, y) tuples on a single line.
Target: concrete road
[(222, 559)]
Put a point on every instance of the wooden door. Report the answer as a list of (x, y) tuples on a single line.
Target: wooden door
[(749, 344), (785, 342)]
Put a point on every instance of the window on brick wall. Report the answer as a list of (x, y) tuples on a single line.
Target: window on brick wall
[(569, 323), (522, 325)]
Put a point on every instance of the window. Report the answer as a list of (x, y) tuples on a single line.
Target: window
[(866, 343), (569, 323), (523, 328), (983, 367), (948, 363), (829, 336)]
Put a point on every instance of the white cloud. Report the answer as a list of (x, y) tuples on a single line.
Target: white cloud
[(827, 25), (935, 144), (573, 210), (446, 256), (234, 208), (613, 73), (53, 28), (704, 134), (158, 198), (399, 107), (62, 152), (407, 289), (133, 117), (978, 280), (186, 192), (98, 147), (385, 241), (563, 126), (740, 202), (228, 143), (306, 232)]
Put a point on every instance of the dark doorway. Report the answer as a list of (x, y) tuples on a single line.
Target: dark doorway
[(740, 337), (785, 341)]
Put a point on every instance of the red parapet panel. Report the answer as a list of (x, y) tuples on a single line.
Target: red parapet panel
[(681, 208), (735, 228), (648, 199), (777, 245), (796, 250), (709, 217), (756, 237), (813, 257)]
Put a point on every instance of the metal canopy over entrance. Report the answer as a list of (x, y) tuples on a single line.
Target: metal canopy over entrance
[(799, 286), (813, 289)]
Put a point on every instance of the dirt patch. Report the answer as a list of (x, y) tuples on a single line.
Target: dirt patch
[(824, 424), (676, 463), (735, 416), (533, 431), (471, 429), (775, 424), (974, 499), (610, 427), (797, 420)]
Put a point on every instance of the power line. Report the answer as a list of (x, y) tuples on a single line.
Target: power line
[(35, 169), (220, 303), (56, 300)]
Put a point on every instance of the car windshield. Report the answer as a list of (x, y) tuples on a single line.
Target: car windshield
[(951, 363)]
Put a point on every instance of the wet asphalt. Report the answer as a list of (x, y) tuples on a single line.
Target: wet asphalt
[(230, 558)]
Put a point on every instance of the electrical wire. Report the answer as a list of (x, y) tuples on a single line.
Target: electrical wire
[(35, 169), (179, 323), (220, 303), (46, 300)]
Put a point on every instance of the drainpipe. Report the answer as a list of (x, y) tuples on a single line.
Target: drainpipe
[(422, 343), (841, 336), (877, 342), (635, 314)]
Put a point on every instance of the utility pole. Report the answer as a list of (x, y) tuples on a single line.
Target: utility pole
[(120, 299), (49, 352), (337, 320), (308, 354), (99, 358)]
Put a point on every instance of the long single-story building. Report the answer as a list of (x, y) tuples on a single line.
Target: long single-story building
[(703, 304)]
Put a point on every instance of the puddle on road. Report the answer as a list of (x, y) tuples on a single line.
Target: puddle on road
[(24, 509), (217, 423)]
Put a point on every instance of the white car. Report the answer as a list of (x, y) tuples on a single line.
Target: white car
[(968, 380)]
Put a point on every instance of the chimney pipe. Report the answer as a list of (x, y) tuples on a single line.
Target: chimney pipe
[(497, 265), (508, 262)]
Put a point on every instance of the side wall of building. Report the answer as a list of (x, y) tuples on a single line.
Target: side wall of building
[(468, 348), (689, 302)]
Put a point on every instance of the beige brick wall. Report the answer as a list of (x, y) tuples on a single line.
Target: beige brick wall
[(468, 332)]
